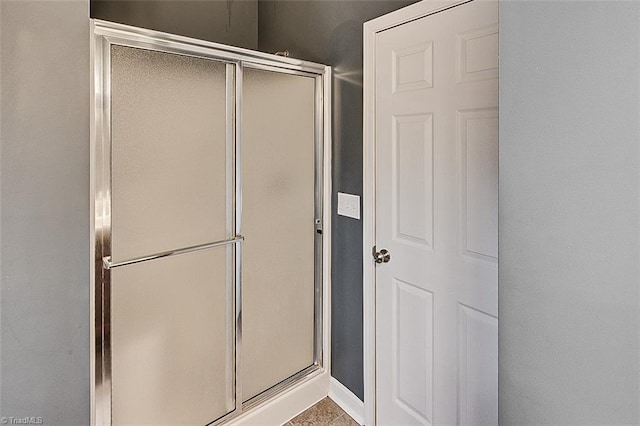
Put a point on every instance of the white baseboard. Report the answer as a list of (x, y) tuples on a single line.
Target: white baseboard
[(350, 403), (286, 406)]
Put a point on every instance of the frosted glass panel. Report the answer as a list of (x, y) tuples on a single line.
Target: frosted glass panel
[(278, 223), (171, 333), (169, 152)]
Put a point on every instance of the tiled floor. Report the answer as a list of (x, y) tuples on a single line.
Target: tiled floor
[(324, 413)]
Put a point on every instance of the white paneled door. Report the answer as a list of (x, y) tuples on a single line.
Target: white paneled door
[(436, 133)]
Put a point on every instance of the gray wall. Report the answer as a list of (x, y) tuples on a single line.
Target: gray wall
[(569, 227), (44, 209), (330, 32), (232, 22)]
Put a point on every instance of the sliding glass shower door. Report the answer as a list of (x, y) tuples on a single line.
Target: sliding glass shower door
[(278, 151), (172, 332), (208, 227)]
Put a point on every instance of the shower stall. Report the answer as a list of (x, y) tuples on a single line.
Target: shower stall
[(210, 188)]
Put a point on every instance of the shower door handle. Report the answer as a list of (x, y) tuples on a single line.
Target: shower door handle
[(382, 256), (107, 263)]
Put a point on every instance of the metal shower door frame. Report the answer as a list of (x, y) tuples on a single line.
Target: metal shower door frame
[(104, 35)]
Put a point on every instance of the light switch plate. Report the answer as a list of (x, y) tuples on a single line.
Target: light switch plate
[(349, 205)]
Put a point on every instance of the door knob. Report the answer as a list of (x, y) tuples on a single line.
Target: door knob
[(382, 256)]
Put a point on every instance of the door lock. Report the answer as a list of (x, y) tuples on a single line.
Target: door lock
[(382, 256)]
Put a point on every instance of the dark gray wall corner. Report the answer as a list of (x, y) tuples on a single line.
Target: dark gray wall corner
[(330, 32), (44, 238), (232, 22), (569, 208)]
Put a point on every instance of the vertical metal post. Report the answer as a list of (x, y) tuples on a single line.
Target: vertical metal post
[(238, 231), (102, 279), (319, 191)]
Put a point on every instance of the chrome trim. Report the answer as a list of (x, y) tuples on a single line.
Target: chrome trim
[(238, 230), (231, 329), (199, 53), (279, 69), (307, 373), (317, 227), (106, 261), (102, 231), (125, 34)]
